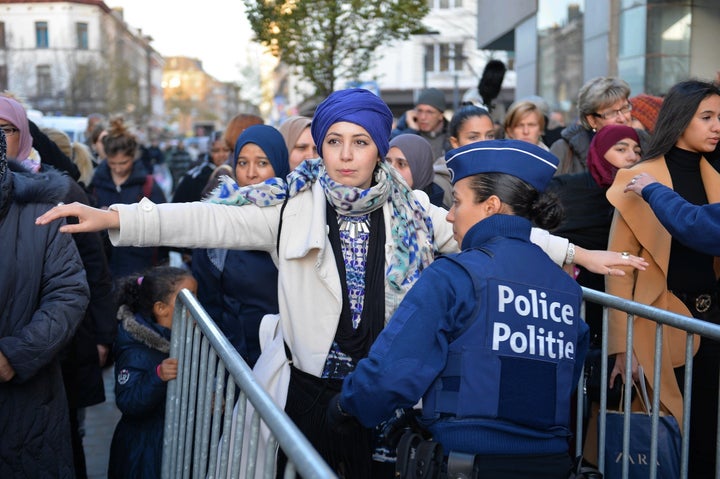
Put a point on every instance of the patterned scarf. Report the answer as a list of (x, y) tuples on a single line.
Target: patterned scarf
[(411, 227)]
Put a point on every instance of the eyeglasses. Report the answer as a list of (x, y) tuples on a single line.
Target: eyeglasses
[(8, 130), (614, 113)]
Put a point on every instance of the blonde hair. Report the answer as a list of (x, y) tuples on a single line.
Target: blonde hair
[(518, 110), (79, 153)]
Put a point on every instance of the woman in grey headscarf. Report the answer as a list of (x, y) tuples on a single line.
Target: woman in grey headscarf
[(411, 155), (298, 140)]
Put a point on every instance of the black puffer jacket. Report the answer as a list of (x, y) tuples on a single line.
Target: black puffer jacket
[(43, 297), (571, 149)]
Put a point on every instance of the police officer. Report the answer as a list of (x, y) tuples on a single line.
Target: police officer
[(491, 338)]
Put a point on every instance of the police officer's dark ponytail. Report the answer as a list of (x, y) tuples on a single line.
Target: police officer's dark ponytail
[(140, 292), (544, 210)]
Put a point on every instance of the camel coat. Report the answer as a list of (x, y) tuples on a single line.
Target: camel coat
[(635, 229)]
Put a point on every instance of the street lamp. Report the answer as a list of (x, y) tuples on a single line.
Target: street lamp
[(456, 76), (425, 53)]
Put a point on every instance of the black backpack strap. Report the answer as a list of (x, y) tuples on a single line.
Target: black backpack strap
[(148, 186), (288, 353), (282, 210)]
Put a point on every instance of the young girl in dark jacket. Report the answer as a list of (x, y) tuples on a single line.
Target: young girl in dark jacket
[(143, 368)]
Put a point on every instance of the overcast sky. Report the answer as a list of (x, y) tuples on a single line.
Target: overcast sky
[(204, 29)]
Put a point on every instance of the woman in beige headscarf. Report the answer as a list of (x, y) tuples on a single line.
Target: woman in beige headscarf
[(299, 141)]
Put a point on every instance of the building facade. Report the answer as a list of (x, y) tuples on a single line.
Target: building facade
[(79, 57), (193, 96), (558, 45), (446, 58)]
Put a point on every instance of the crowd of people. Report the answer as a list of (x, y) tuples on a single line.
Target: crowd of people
[(428, 260)]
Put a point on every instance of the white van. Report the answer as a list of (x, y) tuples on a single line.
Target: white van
[(73, 126)]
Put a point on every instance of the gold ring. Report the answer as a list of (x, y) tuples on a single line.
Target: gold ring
[(625, 255)]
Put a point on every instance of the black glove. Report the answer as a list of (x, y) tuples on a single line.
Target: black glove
[(403, 420), (338, 421)]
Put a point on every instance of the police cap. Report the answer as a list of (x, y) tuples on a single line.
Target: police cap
[(527, 161)]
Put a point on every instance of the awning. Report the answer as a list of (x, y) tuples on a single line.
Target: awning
[(497, 22)]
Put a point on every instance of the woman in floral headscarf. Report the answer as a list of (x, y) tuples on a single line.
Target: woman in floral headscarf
[(354, 238)]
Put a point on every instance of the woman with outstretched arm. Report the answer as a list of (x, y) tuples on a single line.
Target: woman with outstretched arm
[(696, 226)]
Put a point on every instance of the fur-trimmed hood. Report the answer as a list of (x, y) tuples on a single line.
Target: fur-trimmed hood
[(141, 331)]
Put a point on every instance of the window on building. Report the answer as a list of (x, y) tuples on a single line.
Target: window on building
[(2, 35), (81, 30), (41, 35), (560, 30), (83, 79), (44, 81), (444, 57), (3, 78), (445, 3)]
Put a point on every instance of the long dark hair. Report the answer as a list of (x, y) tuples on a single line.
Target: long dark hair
[(140, 292), (462, 115), (543, 209), (676, 112)]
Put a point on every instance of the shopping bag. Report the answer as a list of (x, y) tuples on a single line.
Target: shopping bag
[(668, 448)]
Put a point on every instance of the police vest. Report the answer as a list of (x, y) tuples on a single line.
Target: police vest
[(514, 361)]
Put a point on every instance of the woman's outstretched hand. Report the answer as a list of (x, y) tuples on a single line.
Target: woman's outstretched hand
[(607, 262), (89, 219)]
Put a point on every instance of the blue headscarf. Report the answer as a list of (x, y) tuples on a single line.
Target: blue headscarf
[(355, 105), (271, 142)]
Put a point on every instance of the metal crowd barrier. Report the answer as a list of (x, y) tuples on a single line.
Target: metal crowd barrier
[(197, 442), (206, 433), (660, 317)]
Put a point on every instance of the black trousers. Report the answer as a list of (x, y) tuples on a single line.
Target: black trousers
[(348, 454), (703, 414)]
